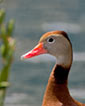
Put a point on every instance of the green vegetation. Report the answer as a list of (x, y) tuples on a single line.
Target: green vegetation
[(7, 47)]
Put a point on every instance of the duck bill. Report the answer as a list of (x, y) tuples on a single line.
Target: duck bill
[(39, 49)]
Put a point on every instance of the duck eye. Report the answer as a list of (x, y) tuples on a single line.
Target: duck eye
[(50, 40)]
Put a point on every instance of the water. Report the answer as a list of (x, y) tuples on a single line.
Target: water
[(33, 18)]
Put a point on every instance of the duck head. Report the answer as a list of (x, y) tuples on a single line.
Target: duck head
[(55, 43)]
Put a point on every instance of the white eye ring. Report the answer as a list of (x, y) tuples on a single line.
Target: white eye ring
[(50, 40)]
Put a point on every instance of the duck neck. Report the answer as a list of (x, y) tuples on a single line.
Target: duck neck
[(60, 74), (61, 69), (57, 89)]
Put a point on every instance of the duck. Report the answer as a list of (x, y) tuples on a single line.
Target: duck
[(58, 44)]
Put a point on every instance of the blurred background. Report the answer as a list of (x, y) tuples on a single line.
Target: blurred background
[(34, 18)]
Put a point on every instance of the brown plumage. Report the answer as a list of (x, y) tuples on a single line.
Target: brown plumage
[(57, 44), (57, 93)]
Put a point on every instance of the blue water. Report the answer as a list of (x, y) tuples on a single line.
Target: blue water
[(32, 19)]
